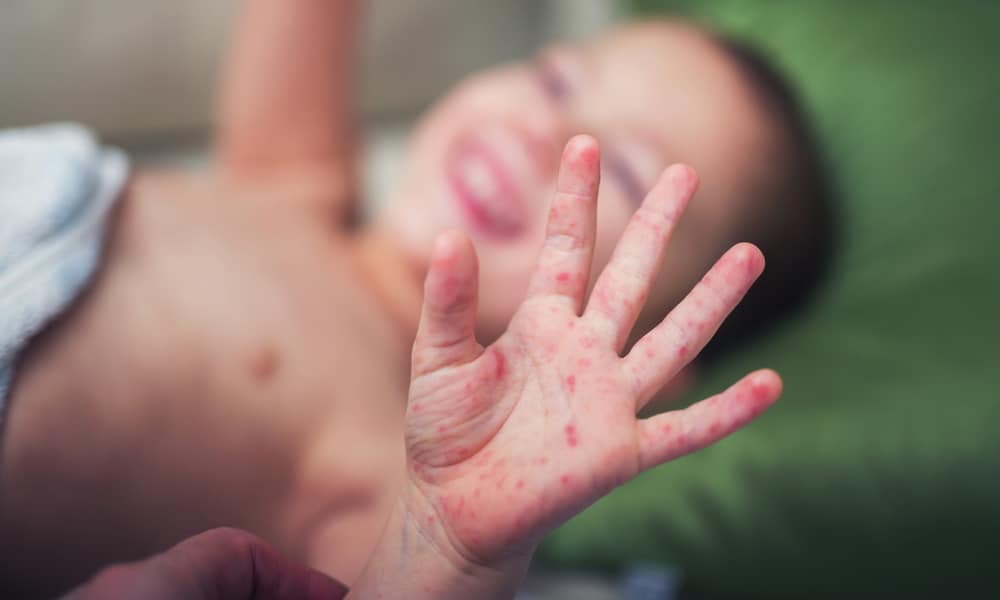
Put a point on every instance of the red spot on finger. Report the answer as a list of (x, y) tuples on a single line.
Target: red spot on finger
[(571, 439), (500, 364), (563, 277), (448, 287), (571, 383)]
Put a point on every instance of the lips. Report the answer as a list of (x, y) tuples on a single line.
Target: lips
[(485, 190)]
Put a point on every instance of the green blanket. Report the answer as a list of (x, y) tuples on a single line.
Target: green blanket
[(878, 473)]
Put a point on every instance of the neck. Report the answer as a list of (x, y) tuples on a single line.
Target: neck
[(394, 278)]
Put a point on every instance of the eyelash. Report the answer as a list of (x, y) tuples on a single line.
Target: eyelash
[(554, 84), (617, 168), (557, 88)]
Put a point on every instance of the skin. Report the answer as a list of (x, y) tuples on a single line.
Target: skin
[(506, 442), (242, 358), (221, 564), (653, 94)]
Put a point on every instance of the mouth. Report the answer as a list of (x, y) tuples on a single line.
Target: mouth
[(484, 189)]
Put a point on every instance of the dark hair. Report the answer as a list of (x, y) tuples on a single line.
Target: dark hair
[(795, 226)]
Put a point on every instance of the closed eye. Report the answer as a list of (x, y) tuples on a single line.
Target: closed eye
[(624, 175), (554, 83)]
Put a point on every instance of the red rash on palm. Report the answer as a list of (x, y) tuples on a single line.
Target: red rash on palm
[(551, 406), (501, 364), (571, 439)]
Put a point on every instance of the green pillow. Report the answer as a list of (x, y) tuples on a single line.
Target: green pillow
[(878, 473)]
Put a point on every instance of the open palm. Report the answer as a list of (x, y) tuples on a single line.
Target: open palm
[(504, 443)]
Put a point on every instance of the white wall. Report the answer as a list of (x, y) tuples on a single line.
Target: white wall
[(141, 67)]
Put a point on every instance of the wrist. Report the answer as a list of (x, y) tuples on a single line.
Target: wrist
[(420, 556)]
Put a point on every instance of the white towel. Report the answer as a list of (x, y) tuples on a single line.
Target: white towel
[(57, 187)]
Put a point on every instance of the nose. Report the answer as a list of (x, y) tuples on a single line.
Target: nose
[(545, 132), (542, 144)]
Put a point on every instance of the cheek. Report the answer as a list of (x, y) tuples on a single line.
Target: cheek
[(613, 214), (504, 274)]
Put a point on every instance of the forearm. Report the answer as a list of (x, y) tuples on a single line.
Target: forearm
[(415, 558), (288, 91)]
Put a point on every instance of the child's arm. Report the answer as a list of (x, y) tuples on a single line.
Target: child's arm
[(287, 97), (505, 443)]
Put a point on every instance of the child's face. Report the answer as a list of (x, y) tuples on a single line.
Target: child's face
[(484, 158)]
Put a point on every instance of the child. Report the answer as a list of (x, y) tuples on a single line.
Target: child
[(504, 443), (241, 357)]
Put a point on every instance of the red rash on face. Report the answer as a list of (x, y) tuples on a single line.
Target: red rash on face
[(571, 383), (520, 484), (564, 480), (584, 363), (571, 438), (587, 342)]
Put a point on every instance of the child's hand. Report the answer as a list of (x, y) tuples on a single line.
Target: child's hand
[(507, 442)]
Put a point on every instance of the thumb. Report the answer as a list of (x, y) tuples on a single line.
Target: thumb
[(446, 335)]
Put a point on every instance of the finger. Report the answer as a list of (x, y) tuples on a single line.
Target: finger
[(564, 262), (670, 435), (446, 335), (214, 565), (663, 352), (623, 286)]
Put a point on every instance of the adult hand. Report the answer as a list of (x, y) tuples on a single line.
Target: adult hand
[(220, 564)]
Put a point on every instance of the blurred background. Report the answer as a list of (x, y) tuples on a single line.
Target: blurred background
[(878, 475), (66, 60)]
